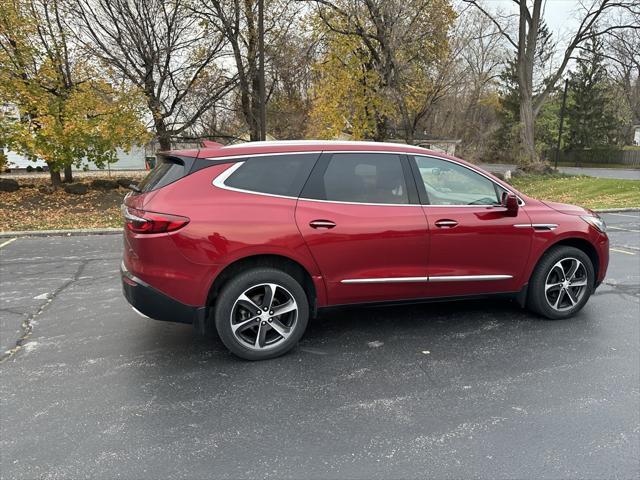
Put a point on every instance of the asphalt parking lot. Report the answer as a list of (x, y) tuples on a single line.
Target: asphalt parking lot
[(452, 390)]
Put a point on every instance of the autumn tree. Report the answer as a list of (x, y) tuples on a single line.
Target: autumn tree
[(525, 44), (387, 52), (164, 50), (68, 114)]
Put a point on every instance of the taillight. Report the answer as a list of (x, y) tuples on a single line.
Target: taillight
[(141, 221)]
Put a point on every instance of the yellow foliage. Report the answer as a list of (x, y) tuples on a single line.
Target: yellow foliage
[(68, 111), (355, 89)]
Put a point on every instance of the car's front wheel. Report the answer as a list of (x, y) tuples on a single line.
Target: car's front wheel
[(262, 313), (562, 283)]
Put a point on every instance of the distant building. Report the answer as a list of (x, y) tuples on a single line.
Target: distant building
[(443, 145), (636, 135)]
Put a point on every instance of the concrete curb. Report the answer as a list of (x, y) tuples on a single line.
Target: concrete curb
[(614, 210), (116, 231), (62, 233)]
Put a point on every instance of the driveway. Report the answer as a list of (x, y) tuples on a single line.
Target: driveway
[(468, 389), (621, 173)]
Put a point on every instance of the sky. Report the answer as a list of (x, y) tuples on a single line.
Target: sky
[(560, 15)]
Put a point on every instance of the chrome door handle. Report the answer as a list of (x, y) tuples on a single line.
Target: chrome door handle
[(446, 223), (322, 224)]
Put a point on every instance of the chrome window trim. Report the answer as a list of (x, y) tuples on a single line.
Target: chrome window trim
[(438, 278), (220, 179)]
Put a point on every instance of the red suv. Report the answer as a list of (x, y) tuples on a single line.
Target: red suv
[(256, 238)]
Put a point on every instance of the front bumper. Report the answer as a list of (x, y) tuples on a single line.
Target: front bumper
[(154, 304)]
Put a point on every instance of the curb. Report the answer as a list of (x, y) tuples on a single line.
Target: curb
[(62, 233), (614, 210)]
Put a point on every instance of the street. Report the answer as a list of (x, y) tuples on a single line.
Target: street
[(619, 173), (444, 390)]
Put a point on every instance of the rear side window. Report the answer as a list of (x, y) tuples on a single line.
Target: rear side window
[(277, 175), (364, 178), (166, 171)]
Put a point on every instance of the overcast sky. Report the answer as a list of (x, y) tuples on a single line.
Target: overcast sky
[(560, 15)]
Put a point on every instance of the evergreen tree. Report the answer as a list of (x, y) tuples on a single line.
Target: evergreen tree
[(590, 118)]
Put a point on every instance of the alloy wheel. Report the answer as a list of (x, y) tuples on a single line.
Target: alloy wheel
[(566, 284), (264, 316)]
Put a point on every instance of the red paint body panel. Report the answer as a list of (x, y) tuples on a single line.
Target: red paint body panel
[(369, 241), (484, 242)]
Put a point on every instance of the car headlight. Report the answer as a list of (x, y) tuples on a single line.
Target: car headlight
[(596, 222)]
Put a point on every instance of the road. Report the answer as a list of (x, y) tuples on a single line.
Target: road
[(470, 389), (620, 173)]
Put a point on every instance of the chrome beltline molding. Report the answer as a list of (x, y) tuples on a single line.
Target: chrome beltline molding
[(441, 278)]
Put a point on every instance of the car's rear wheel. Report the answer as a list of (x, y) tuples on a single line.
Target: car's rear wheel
[(261, 313), (561, 283)]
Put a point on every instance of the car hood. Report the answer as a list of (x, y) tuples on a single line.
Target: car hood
[(568, 208)]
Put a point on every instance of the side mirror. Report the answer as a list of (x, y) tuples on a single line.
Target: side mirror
[(510, 202)]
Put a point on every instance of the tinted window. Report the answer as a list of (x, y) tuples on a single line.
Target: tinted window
[(166, 171), (364, 178), (448, 183), (278, 175)]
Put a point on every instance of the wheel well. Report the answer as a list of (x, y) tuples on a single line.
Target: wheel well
[(279, 262), (586, 247)]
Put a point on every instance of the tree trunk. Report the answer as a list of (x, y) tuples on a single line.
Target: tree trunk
[(56, 181), (68, 174), (164, 141), (163, 136), (527, 132)]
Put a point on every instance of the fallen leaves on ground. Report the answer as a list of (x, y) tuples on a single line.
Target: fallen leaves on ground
[(30, 209)]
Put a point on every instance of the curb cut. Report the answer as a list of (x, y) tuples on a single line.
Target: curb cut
[(62, 233)]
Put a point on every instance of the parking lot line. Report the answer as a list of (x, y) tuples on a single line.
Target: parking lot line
[(623, 229), (624, 215), (621, 251), (4, 244)]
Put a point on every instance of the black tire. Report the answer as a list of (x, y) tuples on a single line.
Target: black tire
[(255, 278), (537, 299)]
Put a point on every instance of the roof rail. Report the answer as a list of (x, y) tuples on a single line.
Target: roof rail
[(211, 144)]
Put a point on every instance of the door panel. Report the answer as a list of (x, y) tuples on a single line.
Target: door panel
[(484, 242), (474, 245), (360, 216), (386, 246)]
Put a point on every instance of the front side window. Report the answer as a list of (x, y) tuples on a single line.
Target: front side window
[(447, 183), (364, 178), (277, 175)]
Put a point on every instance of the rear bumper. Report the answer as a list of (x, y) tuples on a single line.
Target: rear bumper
[(156, 305)]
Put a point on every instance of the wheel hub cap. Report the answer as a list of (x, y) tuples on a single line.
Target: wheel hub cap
[(566, 284), (264, 316)]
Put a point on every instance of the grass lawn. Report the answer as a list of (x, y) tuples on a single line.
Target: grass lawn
[(32, 209), (587, 192)]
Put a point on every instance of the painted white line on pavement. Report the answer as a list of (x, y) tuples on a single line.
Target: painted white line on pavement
[(623, 229), (11, 240), (621, 251), (624, 215)]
